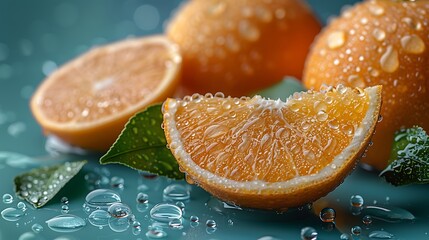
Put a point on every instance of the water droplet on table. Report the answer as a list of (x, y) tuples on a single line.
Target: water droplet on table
[(308, 233), (176, 223), (176, 192), (101, 198), (66, 223), (356, 201), (119, 210), (388, 214), (119, 224), (164, 212), (380, 235), (22, 206), (37, 228), (7, 198), (356, 230), (327, 215), (142, 198), (367, 220), (156, 232), (99, 218), (12, 214)]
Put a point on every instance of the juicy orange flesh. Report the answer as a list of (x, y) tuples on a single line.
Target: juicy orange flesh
[(88, 92), (243, 140)]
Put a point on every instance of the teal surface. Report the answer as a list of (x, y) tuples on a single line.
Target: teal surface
[(36, 36)]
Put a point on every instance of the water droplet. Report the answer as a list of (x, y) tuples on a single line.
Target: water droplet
[(37, 228), (156, 232), (379, 34), (181, 205), (374, 72), (99, 218), (380, 235), (64, 200), (348, 129), (119, 224), (230, 222), (164, 212), (356, 81), (211, 223), (176, 192), (356, 230), (248, 31), (333, 124), (22, 206), (194, 219), (175, 223), (137, 228), (345, 236), (12, 214), (388, 214), (7, 198), (375, 9), (117, 182), (336, 39), (102, 199), (64, 209), (367, 220), (264, 14), (327, 215), (280, 13), (232, 44), (142, 198), (66, 223), (216, 8), (389, 61), (119, 210), (416, 25), (356, 201), (308, 233), (413, 44), (322, 116)]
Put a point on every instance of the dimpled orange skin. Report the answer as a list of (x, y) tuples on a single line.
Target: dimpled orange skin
[(379, 42), (237, 47)]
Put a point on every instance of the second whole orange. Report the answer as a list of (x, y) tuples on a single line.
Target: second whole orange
[(237, 47)]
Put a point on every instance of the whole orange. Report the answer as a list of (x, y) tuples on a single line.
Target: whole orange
[(237, 47), (379, 42)]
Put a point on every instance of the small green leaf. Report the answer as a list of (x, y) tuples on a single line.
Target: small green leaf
[(40, 185), (409, 161), (283, 89), (142, 146)]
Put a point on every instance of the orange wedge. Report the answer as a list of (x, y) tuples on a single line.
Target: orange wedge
[(269, 154), (88, 100)]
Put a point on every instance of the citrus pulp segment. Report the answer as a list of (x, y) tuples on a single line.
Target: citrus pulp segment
[(269, 154)]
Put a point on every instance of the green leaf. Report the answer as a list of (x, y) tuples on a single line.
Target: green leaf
[(283, 89), (40, 185), (142, 146), (409, 161)]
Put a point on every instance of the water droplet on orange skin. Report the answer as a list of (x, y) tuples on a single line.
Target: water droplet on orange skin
[(413, 44), (389, 61), (336, 39)]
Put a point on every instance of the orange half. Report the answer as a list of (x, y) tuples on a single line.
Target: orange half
[(88, 100), (269, 154)]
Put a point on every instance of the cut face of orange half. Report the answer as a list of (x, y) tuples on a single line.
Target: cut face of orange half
[(88, 100), (269, 154)]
